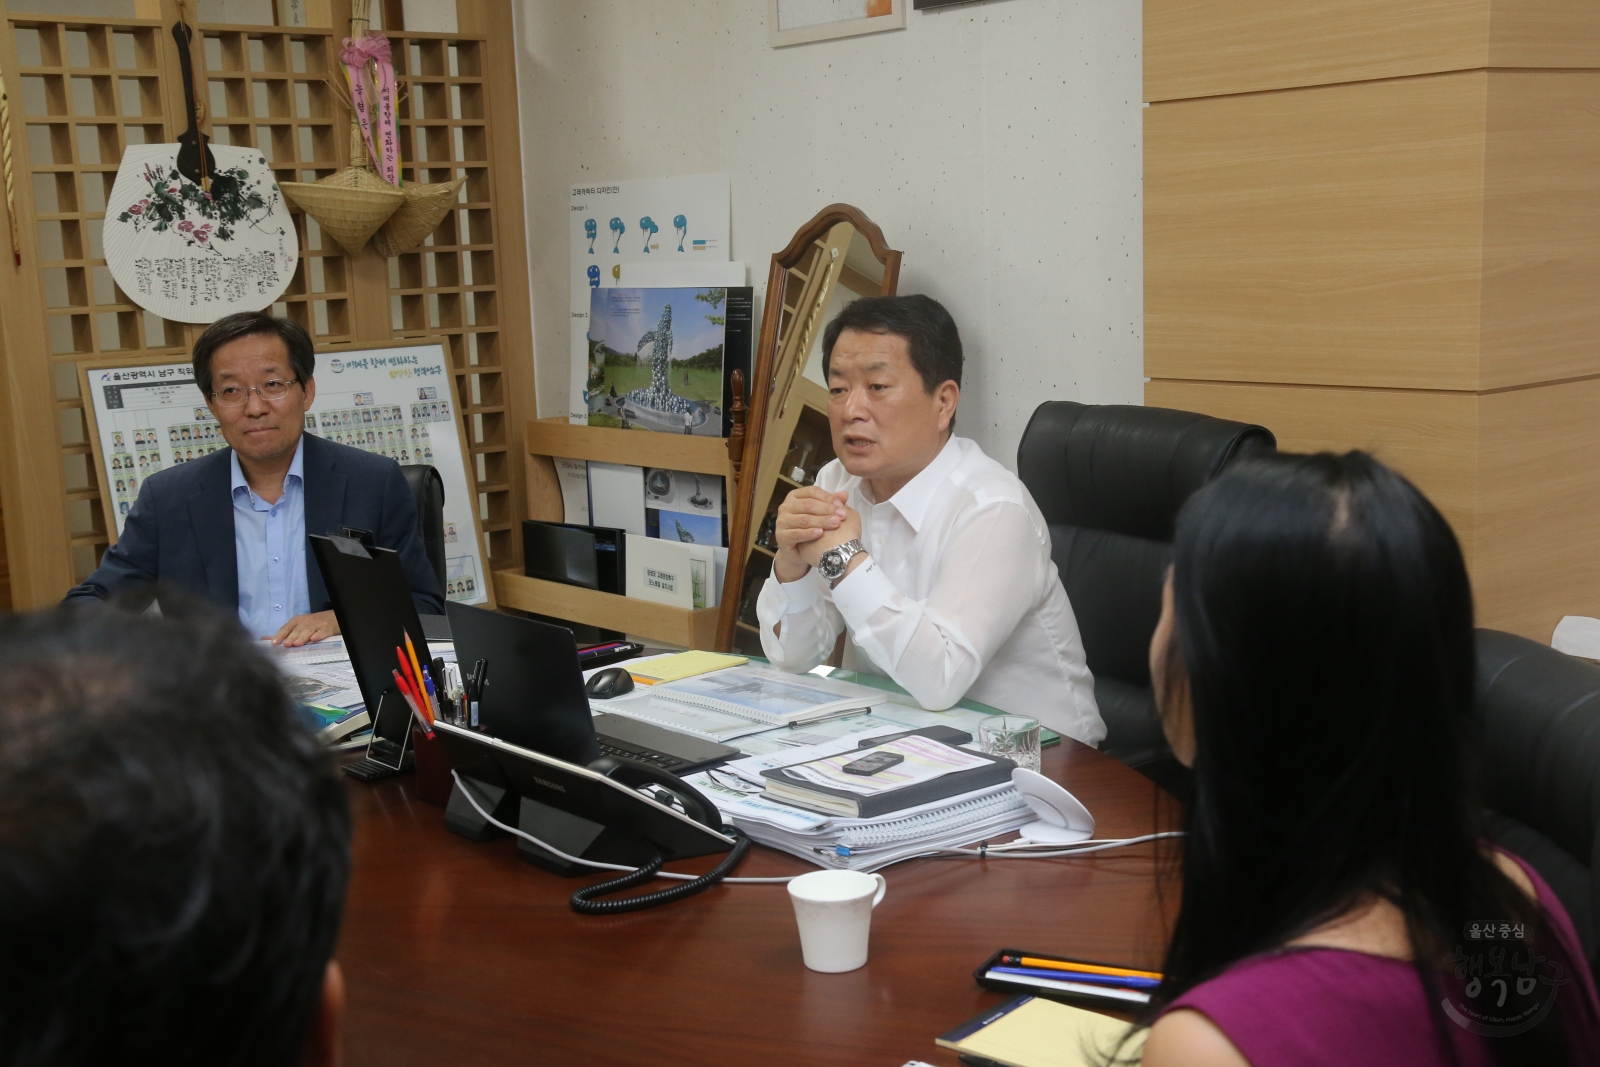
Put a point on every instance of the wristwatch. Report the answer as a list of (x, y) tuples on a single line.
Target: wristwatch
[(835, 560)]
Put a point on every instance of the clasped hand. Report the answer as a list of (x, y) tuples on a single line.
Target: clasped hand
[(811, 520)]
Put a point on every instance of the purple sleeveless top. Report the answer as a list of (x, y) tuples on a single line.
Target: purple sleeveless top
[(1324, 1007)]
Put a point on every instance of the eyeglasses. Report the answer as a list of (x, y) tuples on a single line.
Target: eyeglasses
[(233, 396)]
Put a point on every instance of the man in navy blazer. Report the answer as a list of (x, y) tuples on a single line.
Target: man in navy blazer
[(232, 526)]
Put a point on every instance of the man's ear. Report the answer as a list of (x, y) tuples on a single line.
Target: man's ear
[(324, 1042), (310, 386), (947, 397)]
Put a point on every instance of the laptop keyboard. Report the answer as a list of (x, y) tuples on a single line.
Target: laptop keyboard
[(622, 750)]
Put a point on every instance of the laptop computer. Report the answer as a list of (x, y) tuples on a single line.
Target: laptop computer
[(533, 697)]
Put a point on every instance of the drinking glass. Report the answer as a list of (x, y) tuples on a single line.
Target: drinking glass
[(1013, 736)]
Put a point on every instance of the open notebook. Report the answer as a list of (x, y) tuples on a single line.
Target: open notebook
[(1034, 1032)]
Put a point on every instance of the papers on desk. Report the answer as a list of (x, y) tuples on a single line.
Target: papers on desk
[(766, 695), (852, 843), (865, 844), (321, 673)]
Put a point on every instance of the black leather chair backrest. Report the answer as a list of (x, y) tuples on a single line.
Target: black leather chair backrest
[(427, 488), (1540, 765), (1110, 480)]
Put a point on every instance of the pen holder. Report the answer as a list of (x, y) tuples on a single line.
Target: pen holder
[(433, 768)]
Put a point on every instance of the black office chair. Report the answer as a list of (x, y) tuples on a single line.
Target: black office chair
[(1540, 766), (427, 488), (1110, 480)]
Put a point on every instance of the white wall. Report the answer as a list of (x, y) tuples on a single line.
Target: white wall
[(997, 144)]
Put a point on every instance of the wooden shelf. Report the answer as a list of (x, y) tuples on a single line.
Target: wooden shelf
[(659, 622), (676, 451)]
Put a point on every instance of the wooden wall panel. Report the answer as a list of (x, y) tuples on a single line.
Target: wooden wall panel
[(1215, 47), (1427, 436), (1541, 250), (1538, 554), (1330, 236), (1513, 472), (1199, 48), (1437, 233)]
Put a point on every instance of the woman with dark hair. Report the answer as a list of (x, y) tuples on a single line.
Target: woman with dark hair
[(1314, 665)]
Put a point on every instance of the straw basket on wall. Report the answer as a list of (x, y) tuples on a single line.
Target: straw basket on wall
[(424, 208)]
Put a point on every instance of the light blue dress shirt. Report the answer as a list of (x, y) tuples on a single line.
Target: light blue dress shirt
[(270, 543)]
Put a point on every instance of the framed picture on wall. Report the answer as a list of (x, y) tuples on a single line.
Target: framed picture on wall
[(801, 21)]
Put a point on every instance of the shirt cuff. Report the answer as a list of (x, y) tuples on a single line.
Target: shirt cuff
[(862, 592), (786, 598)]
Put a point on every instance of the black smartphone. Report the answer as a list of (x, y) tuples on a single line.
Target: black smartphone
[(873, 762)]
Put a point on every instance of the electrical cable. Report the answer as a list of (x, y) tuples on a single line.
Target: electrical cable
[(639, 875), (583, 901)]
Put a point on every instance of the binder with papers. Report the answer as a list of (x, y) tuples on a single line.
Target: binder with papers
[(857, 844)]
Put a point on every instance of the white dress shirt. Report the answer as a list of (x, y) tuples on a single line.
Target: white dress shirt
[(958, 597)]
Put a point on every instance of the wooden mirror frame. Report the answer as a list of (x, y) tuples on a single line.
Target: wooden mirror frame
[(763, 380)]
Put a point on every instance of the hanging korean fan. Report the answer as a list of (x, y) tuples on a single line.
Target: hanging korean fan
[(194, 231), (356, 205)]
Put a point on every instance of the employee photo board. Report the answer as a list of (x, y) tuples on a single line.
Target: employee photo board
[(396, 400)]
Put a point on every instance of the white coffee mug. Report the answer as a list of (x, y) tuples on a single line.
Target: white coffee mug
[(834, 910)]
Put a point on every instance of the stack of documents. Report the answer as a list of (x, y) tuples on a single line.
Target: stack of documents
[(854, 843), (740, 701)]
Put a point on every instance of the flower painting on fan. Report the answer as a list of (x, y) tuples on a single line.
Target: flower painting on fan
[(194, 254), (235, 198)]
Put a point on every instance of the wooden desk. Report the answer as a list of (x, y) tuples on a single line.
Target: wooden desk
[(459, 953)]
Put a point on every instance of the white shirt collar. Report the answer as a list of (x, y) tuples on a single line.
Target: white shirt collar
[(296, 467), (914, 497)]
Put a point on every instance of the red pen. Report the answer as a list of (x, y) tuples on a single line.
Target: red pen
[(405, 693)]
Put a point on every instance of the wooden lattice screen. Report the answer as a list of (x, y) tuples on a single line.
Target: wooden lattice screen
[(83, 89)]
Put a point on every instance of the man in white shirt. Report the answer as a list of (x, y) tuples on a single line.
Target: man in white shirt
[(930, 555)]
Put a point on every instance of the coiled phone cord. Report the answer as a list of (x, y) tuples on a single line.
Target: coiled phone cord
[(583, 901)]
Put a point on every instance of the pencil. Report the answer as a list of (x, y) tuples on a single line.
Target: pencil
[(1087, 968), (416, 668)]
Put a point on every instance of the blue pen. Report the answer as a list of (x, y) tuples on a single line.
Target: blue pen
[(1119, 981), (433, 701)]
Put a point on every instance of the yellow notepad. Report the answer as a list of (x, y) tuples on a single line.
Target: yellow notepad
[(1034, 1032), (683, 665)]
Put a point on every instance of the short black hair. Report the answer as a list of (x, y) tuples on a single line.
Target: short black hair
[(302, 353), (930, 333), (174, 845)]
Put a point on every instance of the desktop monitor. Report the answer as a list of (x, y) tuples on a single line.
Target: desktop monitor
[(533, 695)]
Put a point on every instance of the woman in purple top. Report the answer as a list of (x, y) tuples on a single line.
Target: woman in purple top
[(1314, 665)]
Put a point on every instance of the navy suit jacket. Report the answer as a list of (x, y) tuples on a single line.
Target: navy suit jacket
[(179, 532)]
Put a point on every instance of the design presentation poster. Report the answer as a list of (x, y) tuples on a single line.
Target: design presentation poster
[(654, 220), (396, 401)]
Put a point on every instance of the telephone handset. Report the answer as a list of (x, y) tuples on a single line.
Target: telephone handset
[(647, 780)]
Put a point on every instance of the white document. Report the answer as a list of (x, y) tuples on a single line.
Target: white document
[(765, 694), (1577, 635), (660, 571), (703, 572), (615, 225), (573, 474), (616, 497)]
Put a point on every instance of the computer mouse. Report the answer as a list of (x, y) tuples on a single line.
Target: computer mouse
[(611, 682)]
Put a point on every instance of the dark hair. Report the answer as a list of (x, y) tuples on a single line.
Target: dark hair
[(302, 353), (174, 845), (930, 333), (1324, 623)]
